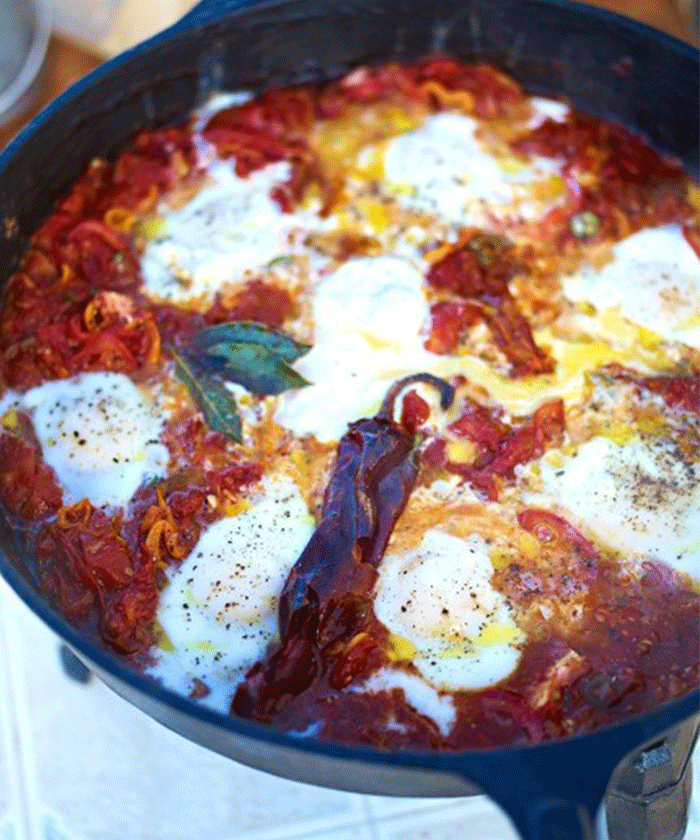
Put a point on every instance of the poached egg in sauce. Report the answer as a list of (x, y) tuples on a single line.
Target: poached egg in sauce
[(641, 498), (99, 432), (219, 610)]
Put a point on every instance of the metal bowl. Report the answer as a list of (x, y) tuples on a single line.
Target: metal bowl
[(25, 28)]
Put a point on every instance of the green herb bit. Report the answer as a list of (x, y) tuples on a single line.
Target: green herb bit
[(214, 400), (250, 354), (584, 225), (249, 332), (253, 366)]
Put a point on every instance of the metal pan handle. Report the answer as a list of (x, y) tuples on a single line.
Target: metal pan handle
[(555, 819), (551, 792)]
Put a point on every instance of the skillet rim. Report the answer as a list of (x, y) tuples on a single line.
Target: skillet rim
[(207, 12)]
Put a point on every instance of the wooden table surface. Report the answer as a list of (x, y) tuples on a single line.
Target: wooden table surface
[(66, 63)]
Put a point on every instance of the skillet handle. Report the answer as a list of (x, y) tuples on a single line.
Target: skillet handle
[(552, 791), (555, 819), (207, 9)]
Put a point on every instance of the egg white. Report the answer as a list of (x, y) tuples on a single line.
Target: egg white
[(441, 168), (545, 109), (100, 434), (369, 316), (653, 279), (639, 498), (230, 228), (219, 609), (439, 598)]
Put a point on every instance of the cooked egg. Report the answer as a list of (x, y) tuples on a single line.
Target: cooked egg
[(231, 227), (439, 598), (99, 433), (361, 293), (641, 498), (369, 316), (442, 168), (653, 279), (219, 611), (370, 319), (522, 395)]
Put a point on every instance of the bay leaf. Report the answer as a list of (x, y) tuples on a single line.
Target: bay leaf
[(213, 399), (249, 332), (253, 366)]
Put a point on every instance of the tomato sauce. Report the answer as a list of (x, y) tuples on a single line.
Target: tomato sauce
[(616, 643)]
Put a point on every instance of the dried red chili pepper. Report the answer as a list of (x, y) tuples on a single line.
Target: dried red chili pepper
[(367, 491)]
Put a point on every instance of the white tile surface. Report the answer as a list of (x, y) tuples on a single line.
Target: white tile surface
[(474, 818), (693, 832), (11, 807), (95, 768), (7, 816), (389, 806), (351, 832), (134, 778)]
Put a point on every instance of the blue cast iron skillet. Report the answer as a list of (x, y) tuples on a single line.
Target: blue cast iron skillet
[(603, 63)]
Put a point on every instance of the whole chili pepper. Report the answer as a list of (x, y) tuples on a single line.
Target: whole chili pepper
[(327, 595)]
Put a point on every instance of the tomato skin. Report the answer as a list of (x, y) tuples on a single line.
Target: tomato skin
[(479, 268), (480, 425), (154, 163), (678, 392), (501, 448), (478, 272), (259, 300), (28, 487), (56, 341), (448, 319), (414, 411), (88, 568), (692, 235), (609, 150), (493, 93)]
